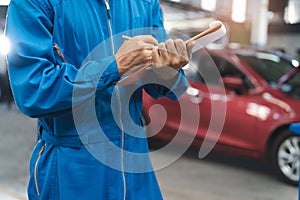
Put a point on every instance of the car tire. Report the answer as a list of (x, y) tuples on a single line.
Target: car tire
[(285, 156)]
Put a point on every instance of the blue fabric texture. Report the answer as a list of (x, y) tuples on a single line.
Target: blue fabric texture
[(295, 128), (70, 158)]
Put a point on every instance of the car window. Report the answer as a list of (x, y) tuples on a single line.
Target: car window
[(270, 67), (207, 68), (227, 69), (195, 70), (203, 69)]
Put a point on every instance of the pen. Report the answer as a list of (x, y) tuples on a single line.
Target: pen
[(206, 32), (126, 37)]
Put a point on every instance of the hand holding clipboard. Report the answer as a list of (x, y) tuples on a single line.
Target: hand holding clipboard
[(215, 31)]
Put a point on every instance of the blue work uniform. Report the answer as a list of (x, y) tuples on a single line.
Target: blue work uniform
[(59, 49)]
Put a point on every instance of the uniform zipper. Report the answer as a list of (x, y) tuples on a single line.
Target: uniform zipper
[(119, 99), (122, 142), (109, 25), (35, 170)]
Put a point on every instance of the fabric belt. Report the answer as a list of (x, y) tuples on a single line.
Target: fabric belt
[(73, 141), (67, 141)]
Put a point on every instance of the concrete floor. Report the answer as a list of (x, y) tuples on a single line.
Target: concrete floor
[(214, 178)]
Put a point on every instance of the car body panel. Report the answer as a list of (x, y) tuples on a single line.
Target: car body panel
[(250, 116)]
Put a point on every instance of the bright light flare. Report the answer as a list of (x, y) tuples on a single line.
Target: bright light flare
[(4, 45), (239, 8), (4, 2), (291, 13), (295, 63), (209, 5)]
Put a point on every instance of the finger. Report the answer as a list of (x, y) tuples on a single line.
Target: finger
[(190, 46), (181, 48), (144, 53), (143, 57), (148, 57), (155, 56), (148, 46), (141, 61), (137, 50), (170, 46), (147, 39), (162, 50)]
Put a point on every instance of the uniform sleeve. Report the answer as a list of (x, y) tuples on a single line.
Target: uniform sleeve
[(172, 89), (157, 14), (41, 85), (180, 84)]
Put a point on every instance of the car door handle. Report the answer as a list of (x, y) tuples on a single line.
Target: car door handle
[(195, 95), (193, 92)]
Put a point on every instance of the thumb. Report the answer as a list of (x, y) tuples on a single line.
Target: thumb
[(189, 47), (148, 39)]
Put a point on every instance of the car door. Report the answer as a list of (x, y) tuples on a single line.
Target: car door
[(224, 112)]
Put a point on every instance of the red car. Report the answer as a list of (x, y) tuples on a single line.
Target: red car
[(242, 99)]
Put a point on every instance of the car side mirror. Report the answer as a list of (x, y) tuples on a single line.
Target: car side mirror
[(233, 83)]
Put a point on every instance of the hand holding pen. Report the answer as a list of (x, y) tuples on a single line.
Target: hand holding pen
[(135, 53), (168, 57), (215, 31)]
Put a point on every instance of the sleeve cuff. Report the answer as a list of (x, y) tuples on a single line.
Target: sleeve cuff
[(178, 88)]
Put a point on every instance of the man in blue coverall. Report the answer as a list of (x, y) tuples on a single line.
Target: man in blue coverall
[(68, 55)]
